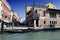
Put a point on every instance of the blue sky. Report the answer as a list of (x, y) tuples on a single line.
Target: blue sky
[(20, 5)]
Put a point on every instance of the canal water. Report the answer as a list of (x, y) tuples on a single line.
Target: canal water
[(42, 35)]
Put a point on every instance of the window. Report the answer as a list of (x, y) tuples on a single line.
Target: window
[(37, 23), (44, 13), (5, 16), (52, 14), (44, 22), (50, 22), (53, 22), (40, 10), (59, 15), (36, 11)]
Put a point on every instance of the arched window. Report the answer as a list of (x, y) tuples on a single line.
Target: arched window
[(5, 16), (36, 11)]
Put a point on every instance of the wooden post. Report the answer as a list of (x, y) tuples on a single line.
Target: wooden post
[(2, 26)]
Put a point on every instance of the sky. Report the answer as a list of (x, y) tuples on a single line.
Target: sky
[(19, 6)]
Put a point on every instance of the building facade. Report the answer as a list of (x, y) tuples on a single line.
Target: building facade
[(5, 10), (15, 18), (42, 16)]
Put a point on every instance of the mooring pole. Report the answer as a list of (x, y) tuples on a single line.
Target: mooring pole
[(2, 26), (34, 24)]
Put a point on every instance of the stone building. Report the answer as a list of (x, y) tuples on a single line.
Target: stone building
[(15, 18), (44, 16), (5, 10), (15, 15)]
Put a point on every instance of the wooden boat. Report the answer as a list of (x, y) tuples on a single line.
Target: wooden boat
[(18, 31)]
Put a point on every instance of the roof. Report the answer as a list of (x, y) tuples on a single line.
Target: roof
[(53, 9), (50, 5)]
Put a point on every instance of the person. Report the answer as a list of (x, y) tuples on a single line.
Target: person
[(2, 26)]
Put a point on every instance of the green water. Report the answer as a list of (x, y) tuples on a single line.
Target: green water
[(47, 35)]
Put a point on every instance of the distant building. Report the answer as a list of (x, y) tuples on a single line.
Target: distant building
[(20, 19), (15, 18), (15, 15), (43, 16), (5, 10)]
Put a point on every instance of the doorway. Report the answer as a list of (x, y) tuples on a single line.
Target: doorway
[(37, 23), (53, 23)]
